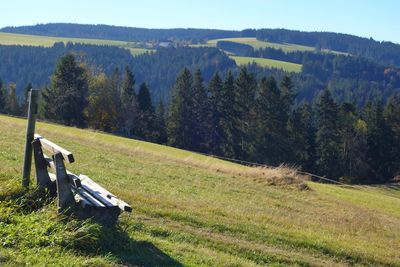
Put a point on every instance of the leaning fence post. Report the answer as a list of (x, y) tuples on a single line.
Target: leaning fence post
[(30, 131)]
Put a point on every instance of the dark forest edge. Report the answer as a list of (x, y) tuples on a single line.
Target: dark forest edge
[(237, 116)]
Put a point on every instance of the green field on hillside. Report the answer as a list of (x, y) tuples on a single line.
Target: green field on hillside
[(47, 41), (268, 63), (256, 44), (191, 210)]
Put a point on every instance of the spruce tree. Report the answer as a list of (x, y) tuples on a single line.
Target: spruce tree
[(380, 141), (145, 128), (302, 137), (353, 144), (2, 97), (66, 98), (129, 111), (392, 115), (271, 123), (179, 111), (12, 105), (160, 123), (243, 139), (327, 137), (227, 119), (201, 114)]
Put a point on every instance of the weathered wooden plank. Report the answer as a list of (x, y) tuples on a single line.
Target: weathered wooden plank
[(65, 196), (89, 185), (74, 179), (30, 130), (50, 146), (42, 176), (89, 198)]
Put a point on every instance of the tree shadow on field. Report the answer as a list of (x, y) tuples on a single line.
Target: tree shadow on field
[(115, 241)]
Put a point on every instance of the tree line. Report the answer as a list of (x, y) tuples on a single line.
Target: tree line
[(235, 115)]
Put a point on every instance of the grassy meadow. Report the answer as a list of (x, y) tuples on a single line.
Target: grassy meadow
[(268, 63), (48, 41), (191, 210)]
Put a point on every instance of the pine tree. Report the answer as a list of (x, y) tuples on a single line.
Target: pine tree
[(179, 111), (271, 123), (380, 141), (201, 114), (12, 106), (215, 131), (302, 137), (146, 127), (227, 118), (353, 144), (245, 87), (327, 137), (160, 123), (2, 97), (392, 115), (66, 98), (129, 111)]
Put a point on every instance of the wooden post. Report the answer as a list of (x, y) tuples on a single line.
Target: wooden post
[(30, 131), (65, 196)]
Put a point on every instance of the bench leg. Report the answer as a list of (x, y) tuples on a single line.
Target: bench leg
[(42, 176), (65, 196)]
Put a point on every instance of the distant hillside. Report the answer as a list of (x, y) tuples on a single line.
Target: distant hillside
[(387, 53), (129, 34), (384, 52)]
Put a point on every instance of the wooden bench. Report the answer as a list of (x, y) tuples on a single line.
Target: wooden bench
[(72, 191)]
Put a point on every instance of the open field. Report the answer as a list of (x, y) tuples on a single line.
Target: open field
[(256, 44), (192, 210), (268, 63), (47, 41)]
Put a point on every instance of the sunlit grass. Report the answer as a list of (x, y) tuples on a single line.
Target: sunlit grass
[(268, 63), (194, 210)]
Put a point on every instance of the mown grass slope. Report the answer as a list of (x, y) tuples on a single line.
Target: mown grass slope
[(268, 63), (191, 210), (47, 41)]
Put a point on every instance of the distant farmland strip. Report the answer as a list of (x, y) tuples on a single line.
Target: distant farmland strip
[(268, 63), (47, 41)]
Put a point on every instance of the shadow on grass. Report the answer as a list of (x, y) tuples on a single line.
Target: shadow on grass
[(116, 242)]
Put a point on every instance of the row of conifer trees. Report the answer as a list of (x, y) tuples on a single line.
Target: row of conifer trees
[(235, 117)]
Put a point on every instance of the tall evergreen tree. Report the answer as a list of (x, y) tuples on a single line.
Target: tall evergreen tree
[(179, 111), (12, 105), (327, 137), (2, 97), (160, 117), (271, 123), (66, 98), (129, 110), (302, 137), (200, 114), (353, 144), (380, 141), (146, 127), (227, 119), (392, 115), (245, 88)]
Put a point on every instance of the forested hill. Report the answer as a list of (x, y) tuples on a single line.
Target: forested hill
[(119, 33), (385, 52)]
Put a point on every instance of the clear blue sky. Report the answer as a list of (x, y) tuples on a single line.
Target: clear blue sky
[(379, 19)]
